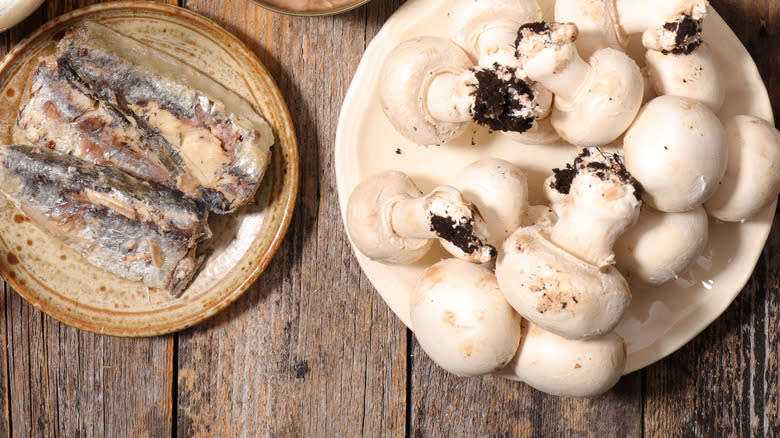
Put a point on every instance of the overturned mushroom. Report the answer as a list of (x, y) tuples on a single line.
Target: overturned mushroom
[(595, 101), (462, 320), (416, 69), (429, 92), (487, 29), (566, 367), (752, 179), (659, 246), (676, 149), (500, 192), (561, 277), (390, 221)]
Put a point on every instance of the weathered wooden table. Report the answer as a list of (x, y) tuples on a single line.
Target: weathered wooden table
[(312, 350)]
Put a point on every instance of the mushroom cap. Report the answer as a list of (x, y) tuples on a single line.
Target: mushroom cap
[(368, 219), (694, 76), (462, 320), (565, 367), (607, 104), (659, 246), (752, 179), (676, 149), (469, 19), (500, 192), (17, 11), (557, 291), (404, 80)]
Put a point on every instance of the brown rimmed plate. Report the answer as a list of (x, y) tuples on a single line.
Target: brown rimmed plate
[(59, 281)]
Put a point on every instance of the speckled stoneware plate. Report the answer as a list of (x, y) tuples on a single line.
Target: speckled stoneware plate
[(59, 281), (310, 8), (661, 319)]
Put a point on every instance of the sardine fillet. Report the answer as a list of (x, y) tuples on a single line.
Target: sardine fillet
[(138, 230), (59, 116), (215, 137)]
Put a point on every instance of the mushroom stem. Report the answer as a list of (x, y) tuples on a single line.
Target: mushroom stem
[(590, 240), (551, 58), (443, 214), (595, 199), (449, 96), (594, 101)]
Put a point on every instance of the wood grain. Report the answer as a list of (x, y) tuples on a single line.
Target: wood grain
[(312, 350)]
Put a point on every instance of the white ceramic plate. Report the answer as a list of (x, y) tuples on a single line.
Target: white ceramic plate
[(660, 320)]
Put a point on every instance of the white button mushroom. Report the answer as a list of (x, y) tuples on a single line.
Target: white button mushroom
[(692, 75), (560, 277), (413, 70), (429, 92), (487, 29), (676, 149), (565, 367), (661, 245), (680, 64), (595, 101), (595, 199), (389, 221), (609, 23), (462, 320), (500, 191), (752, 179), (671, 31)]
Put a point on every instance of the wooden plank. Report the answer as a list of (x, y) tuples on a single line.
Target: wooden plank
[(768, 381), (311, 349), (65, 382)]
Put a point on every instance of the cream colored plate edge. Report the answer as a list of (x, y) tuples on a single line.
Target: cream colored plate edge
[(57, 280), (659, 320)]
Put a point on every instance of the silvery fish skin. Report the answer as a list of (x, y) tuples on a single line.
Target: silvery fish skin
[(58, 115), (135, 229), (217, 138)]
